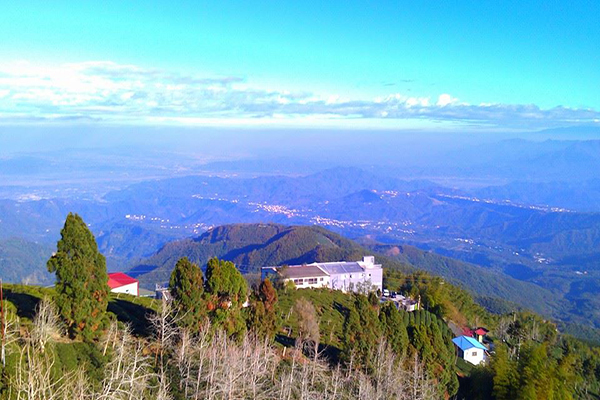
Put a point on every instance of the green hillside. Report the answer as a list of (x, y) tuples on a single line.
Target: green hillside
[(251, 246), (570, 366), (481, 282)]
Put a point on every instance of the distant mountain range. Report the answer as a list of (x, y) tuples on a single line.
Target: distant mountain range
[(551, 250)]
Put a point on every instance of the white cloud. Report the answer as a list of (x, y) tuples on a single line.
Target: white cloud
[(445, 99), (106, 91)]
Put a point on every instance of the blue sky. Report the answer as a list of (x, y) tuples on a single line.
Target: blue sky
[(514, 65)]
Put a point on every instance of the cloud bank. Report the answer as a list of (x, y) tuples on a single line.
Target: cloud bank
[(117, 93)]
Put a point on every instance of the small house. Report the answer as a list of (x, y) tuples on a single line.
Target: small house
[(409, 304), (470, 349), (123, 283), (480, 333)]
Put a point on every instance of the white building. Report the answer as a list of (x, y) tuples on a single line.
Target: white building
[(123, 283), (470, 349), (402, 303), (307, 276), (346, 276)]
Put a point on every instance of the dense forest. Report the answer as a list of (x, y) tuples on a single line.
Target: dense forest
[(221, 337)]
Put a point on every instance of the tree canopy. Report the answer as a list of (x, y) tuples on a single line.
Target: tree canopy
[(81, 280), (224, 280), (262, 316), (187, 287)]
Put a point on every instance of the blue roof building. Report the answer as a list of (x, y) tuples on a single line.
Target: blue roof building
[(470, 349)]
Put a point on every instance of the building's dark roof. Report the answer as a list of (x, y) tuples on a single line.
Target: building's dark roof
[(323, 269), (341, 267), (304, 271)]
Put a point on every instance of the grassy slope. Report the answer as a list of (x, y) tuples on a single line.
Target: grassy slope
[(23, 300), (331, 307)]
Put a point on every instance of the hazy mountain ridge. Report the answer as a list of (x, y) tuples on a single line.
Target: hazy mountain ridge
[(24, 261), (581, 196)]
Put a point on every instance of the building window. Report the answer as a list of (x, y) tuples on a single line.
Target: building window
[(474, 354), (312, 281), (350, 276), (298, 281), (321, 279)]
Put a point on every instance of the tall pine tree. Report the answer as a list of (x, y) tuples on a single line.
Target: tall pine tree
[(506, 377), (81, 280)]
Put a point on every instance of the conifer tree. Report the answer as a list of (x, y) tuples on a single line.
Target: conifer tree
[(81, 280), (263, 318), (224, 281), (226, 292), (362, 331), (187, 287), (394, 328), (505, 375)]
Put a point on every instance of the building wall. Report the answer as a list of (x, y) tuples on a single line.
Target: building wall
[(311, 282), (352, 282), (474, 355), (376, 277), (132, 288)]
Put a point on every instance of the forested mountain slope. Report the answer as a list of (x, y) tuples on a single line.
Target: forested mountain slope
[(251, 246)]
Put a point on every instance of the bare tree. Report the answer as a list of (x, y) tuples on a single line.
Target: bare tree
[(128, 374), (11, 332), (110, 338), (213, 366), (78, 387), (33, 379), (46, 324), (164, 391), (308, 325), (164, 328)]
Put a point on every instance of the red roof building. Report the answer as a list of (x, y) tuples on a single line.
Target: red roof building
[(467, 332), (481, 331), (123, 283)]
